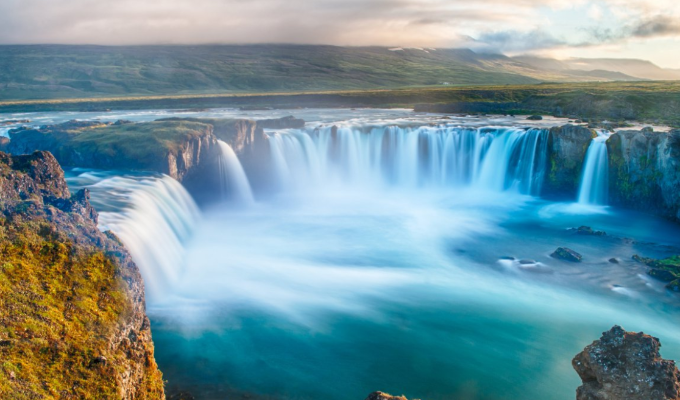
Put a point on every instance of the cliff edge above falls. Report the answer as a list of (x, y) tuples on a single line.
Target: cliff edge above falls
[(72, 319), (644, 171), (626, 366), (174, 148)]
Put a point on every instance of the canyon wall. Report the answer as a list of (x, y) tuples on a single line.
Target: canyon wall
[(644, 171), (174, 148), (72, 317)]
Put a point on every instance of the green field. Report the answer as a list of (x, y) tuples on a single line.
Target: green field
[(60, 71), (653, 102)]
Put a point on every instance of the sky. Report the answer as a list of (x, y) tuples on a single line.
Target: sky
[(646, 29)]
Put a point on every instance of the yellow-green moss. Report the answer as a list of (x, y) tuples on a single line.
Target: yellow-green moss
[(58, 310)]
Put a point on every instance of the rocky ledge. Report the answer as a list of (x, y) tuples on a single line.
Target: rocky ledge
[(644, 171), (184, 148), (72, 319), (174, 148), (626, 366)]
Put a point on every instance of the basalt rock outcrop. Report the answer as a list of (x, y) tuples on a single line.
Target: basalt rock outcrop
[(567, 148), (644, 171), (72, 319), (626, 366), (174, 148)]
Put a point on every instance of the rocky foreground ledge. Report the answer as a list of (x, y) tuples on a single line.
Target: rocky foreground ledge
[(72, 319), (626, 366)]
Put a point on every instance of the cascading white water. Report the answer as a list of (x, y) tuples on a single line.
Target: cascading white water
[(489, 158), (235, 185), (153, 217), (593, 189)]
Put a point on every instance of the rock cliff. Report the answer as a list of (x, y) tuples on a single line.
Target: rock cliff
[(567, 147), (626, 366), (174, 148), (72, 319), (644, 171)]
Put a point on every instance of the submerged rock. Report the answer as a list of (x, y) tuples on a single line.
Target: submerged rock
[(535, 118), (614, 260), (384, 396), (626, 366), (666, 270), (586, 230), (567, 254)]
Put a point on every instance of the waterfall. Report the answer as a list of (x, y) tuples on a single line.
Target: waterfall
[(235, 185), (429, 156), (593, 189), (153, 217)]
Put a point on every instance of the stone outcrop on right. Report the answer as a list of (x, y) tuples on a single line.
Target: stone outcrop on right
[(644, 171), (625, 365)]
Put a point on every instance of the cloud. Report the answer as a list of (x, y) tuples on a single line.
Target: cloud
[(518, 41), (595, 12), (353, 22), (489, 25), (657, 26)]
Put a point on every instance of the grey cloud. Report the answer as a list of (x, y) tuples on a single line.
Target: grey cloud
[(659, 25), (386, 22)]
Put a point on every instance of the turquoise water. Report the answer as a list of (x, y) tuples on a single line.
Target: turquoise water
[(384, 266), (343, 294)]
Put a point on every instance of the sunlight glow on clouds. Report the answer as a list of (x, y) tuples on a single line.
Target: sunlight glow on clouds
[(564, 27)]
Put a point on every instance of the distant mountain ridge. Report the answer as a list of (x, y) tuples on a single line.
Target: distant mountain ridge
[(64, 71), (641, 69)]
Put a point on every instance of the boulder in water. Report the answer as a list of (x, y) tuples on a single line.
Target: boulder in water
[(626, 366), (535, 118), (384, 396), (567, 254), (614, 260), (666, 270), (586, 230)]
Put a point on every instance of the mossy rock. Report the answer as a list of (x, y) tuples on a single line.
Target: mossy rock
[(566, 254)]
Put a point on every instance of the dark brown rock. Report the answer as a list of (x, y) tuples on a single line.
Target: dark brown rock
[(384, 396), (626, 366)]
